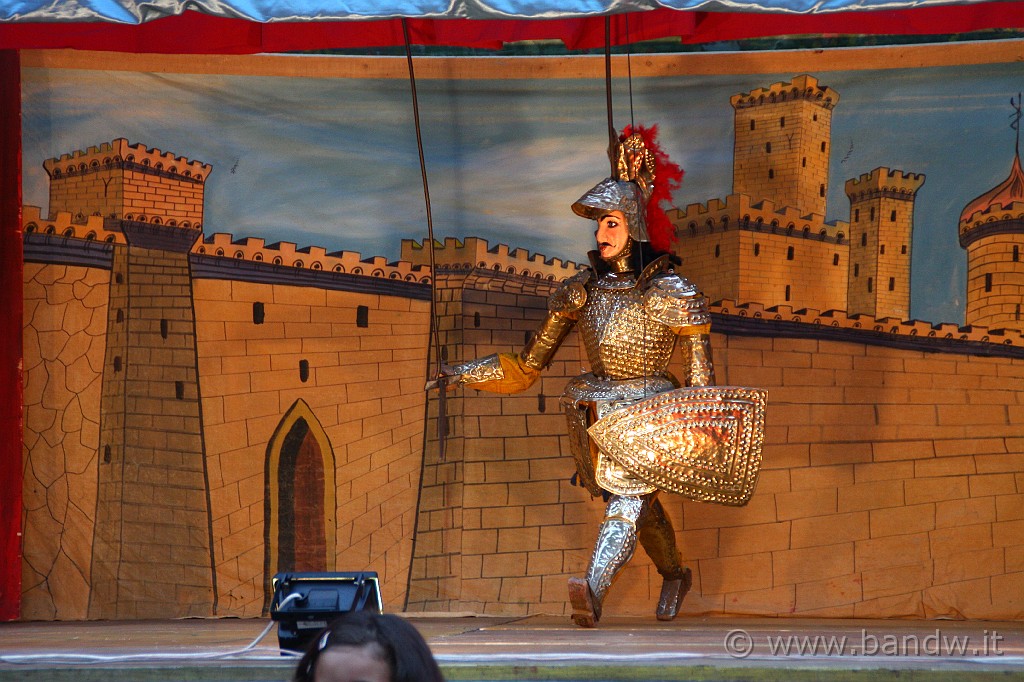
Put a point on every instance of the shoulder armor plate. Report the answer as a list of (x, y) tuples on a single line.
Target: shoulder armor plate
[(572, 295), (676, 302), (654, 269)]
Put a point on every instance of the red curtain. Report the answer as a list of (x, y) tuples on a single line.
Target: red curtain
[(193, 32), (10, 331)]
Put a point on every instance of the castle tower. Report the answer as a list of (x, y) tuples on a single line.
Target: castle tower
[(992, 231), (782, 143), (152, 553), (881, 226), (746, 250), (119, 180)]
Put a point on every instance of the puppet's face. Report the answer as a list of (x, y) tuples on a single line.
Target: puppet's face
[(612, 234)]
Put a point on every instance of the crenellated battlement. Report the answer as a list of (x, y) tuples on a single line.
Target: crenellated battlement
[(740, 211), (475, 252), (90, 228), (884, 182), (119, 152), (992, 214), (891, 327), (315, 258), (803, 87)]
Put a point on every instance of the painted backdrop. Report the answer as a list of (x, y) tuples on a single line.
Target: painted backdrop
[(227, 308)]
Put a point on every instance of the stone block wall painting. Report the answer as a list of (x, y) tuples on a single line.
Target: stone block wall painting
[(64, 333), (209, 400), (225, 406)]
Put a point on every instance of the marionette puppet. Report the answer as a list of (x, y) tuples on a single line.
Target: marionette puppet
[(635, 429)]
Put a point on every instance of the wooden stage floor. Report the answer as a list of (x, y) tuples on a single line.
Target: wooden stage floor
[(538, 648)]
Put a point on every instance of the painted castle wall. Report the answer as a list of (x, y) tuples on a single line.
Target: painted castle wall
[(151, 549), (891, 487), (782, 147), (65, 319), (121, 180), (362, 384), (782, 143), (743, 251), (473, 252), (436, 563), (881, 235), (891, 484), (991, 229), (493, 521), (262, 406)]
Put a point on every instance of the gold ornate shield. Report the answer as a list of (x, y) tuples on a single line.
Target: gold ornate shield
[(703, 443)]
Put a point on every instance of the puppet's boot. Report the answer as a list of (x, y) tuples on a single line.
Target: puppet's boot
[(672, 592), (586, 610), (659, 541)]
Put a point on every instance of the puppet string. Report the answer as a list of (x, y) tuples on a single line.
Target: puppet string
[(435, 339)]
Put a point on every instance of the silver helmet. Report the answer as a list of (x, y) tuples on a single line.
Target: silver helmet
[(628, 190), (615, 195)]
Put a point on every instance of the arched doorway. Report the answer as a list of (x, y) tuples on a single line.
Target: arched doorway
[(300, 501)]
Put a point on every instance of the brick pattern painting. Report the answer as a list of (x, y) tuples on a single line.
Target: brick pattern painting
[(891, 488), (263, 347), (153, 489)]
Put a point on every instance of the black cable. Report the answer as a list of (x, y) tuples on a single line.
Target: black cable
[(435, 341), (629, 72), (632, 124), (613, 135), (435, 337)]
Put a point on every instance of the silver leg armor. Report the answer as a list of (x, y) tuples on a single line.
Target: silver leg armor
[(627, 519), (616, 541)]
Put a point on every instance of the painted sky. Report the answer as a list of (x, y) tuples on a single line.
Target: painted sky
[(333, 162)]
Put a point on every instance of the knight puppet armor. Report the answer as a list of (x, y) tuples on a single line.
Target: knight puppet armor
[(635, 429)]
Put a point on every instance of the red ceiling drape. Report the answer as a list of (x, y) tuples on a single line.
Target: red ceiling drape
[(192, 32)]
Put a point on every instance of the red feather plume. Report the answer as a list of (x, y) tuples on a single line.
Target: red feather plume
[(668, 177)]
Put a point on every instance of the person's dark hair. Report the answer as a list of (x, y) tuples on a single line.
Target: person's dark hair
[(404, 649)]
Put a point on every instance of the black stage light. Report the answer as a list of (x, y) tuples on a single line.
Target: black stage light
[(306, 603)]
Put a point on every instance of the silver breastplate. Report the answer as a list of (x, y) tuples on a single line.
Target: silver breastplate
[(621, 339)]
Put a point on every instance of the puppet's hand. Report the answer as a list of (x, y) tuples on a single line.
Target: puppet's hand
[(447, 377)]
